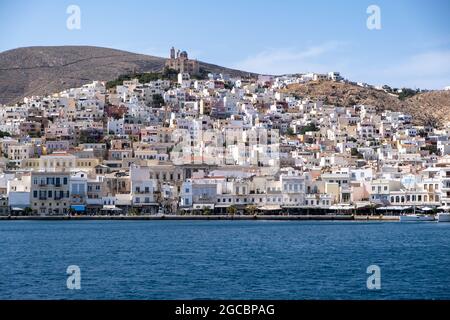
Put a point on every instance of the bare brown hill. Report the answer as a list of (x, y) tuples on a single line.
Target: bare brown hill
[(431, 107), (43, 70)]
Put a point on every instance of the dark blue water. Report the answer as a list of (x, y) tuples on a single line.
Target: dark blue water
[(223, 259)]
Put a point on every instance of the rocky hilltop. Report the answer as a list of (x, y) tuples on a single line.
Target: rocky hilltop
[(44, 70), (431, 107)]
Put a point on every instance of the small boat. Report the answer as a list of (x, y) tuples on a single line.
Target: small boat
[(416, 217), (443, 217)]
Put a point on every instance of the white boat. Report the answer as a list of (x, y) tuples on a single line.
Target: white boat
[(443, 217), (416, 217)]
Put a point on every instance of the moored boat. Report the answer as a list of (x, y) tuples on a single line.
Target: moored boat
[(443, 217), (416, 217)]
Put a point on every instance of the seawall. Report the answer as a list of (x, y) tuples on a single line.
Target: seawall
[(211, 217)]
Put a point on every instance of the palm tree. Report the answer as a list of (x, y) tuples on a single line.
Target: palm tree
[(250, 210), (27, 211), (231, 210), (372, 208), (71, 211), (133, 212)]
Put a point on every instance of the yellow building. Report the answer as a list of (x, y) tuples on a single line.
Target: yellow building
[(60, 162)]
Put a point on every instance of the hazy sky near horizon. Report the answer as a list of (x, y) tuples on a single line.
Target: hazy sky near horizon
[(411, 49)]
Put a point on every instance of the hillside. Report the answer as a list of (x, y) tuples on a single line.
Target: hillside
[(42, 70), (427, 108)]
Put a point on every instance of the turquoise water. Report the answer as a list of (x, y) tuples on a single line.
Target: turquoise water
[(224, 259)]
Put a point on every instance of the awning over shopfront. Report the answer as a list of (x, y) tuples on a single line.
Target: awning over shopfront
[(365, 204), (199, 206), (110, 208), (342, 207), (270, 208), (394, 208), (78, 208)]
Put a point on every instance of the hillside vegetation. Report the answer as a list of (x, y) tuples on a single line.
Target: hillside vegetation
[(427, 108)]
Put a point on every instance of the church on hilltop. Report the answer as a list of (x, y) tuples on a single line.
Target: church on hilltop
[(179, 61)]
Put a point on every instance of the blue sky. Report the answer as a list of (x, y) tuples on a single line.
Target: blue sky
[(411, 49)]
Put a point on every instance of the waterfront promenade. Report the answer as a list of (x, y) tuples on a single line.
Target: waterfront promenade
[(212, 217)]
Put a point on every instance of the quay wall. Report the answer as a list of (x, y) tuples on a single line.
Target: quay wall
[(211, 217)]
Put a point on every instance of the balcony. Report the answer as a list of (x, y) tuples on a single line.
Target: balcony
[(204, 199), (143, 192)]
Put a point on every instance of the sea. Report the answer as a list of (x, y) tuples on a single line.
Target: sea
[(288, 260)]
